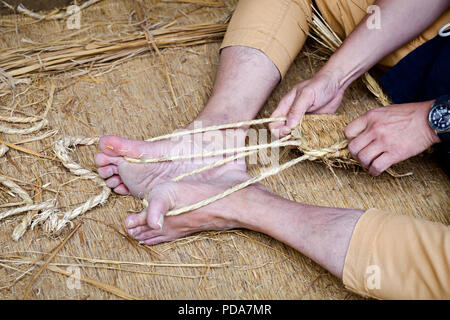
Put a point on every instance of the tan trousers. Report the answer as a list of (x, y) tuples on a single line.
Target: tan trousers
[(279, 27), (389, 256)]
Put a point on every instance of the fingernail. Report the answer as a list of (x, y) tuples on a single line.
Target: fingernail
[(286, 130)]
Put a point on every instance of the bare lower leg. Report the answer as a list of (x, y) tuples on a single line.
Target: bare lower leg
[(245, 79), (321, 233)]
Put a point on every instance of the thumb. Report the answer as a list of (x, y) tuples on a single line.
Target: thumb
[(277, 128), (303, 102)]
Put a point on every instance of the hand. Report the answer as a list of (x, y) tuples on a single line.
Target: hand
[(385, 136), (320, 94)]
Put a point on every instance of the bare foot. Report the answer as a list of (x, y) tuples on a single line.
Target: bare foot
[(137, 179), (219, 215)]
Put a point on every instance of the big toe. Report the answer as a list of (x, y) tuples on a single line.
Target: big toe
[(103, 160), (119, 147), (136, 220)]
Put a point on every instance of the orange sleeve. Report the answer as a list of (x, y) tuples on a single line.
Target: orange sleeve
[(398, 257)]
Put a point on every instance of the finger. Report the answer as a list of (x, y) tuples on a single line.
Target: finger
[(355, 127), (281, 111), (381, 163), (367, 155), (359, 143), (302, 103)]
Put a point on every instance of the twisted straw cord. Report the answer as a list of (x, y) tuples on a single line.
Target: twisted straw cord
[(32, 207), (17, 190), (215, 128), (213, 165), (238, 187), (221, 162), (311, 155), (22, 227), (54, 223), (36, 127), (334, 151), (277, 143)]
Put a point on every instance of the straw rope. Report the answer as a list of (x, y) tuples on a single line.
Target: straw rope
[(215, 128), (36, 127), (15, 188), (216, 152), (53, 223), (314, 155), (31, 207), (313, 123), (318, 137)]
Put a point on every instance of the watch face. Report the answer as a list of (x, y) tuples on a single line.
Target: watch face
[(440, 117)]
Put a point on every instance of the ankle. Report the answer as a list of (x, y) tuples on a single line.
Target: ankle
[(247, 207)]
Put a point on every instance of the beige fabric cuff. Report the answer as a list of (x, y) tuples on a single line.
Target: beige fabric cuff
[(398, 257), (277, 28)]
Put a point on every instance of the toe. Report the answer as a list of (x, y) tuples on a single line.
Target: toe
[(102, 160), (107, 171), (137, 232), (156, 240), (119, 147), (148, 234), (135, 220), (113, 182), (122, 190)]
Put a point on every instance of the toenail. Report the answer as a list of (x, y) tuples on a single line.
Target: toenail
[(161, 221), (109, 147)]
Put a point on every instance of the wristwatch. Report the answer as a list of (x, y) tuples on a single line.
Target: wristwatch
[(439, 118)]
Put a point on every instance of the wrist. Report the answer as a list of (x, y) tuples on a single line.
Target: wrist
[(429, 131), (342, 74)]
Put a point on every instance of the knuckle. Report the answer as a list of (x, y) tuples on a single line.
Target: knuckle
[(352, 148), (348, 130), (378, 129)]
